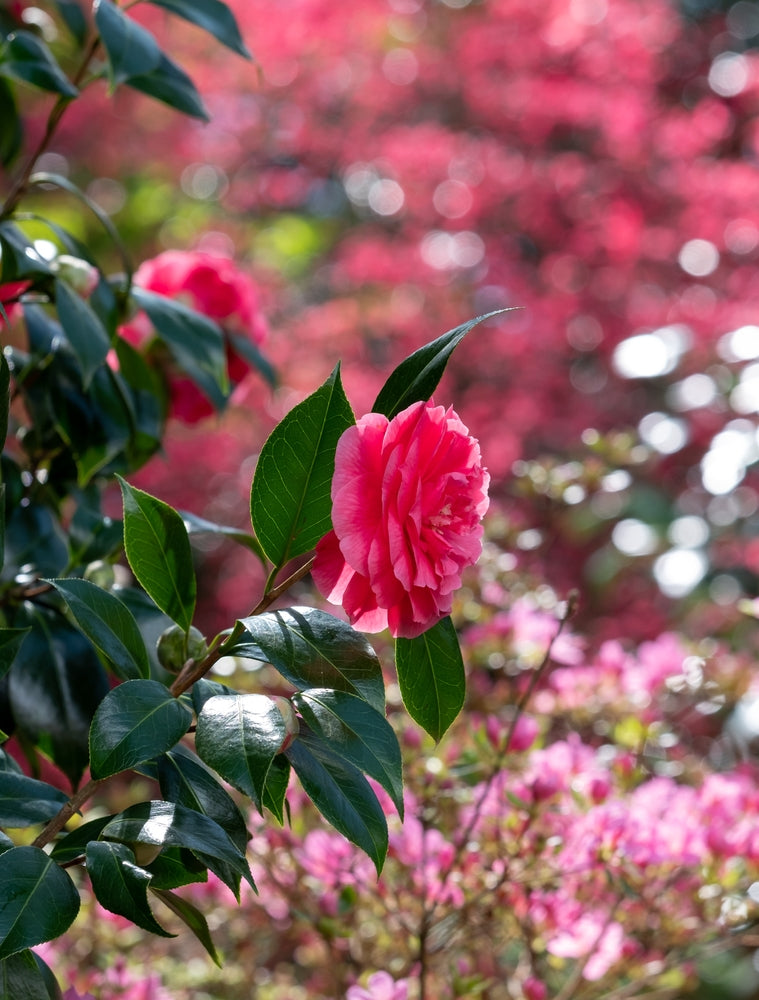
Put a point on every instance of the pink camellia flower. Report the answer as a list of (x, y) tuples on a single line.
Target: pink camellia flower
[(408, 495), (215, 287)]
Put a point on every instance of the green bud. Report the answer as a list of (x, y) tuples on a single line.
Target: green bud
[(100, 573), (175, 647)]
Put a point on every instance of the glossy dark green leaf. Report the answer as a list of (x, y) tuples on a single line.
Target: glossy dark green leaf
[(33, 538), (159, 553), (417, 377), (191, 917), (10, 642), (311, 648), (73, 18), (356, 732), (131, 49), (167, 824), (74, 844), (85, 332), (135, 722), (11, 132), (26, 801), (275, 789), (51, 983), (120, 885), (38, 901), (19, 258), (6, 844), (5, 399), (341, 794), (195, 342), (290, 502), (204, 689), (239, 737), (174, 867), (22, 979), (183, 778), (199, 525), (108, 624), (55, 685), (211, 15), (170, 84), (27, 58), (431, 677)]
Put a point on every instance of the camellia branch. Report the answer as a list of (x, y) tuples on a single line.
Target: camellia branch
[(74, 804)]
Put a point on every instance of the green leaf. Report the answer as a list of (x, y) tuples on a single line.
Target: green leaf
[(311, 648), (108, 624), (120, 885), (27, 58), (22, 979), (84, 331), (10, 642), (192, 917), (51, 983), (135, 722), (171, 85), (341, 794), (199, 525), (239, 737), (431, 677), (290, 502), (194, 340), (211, 15), (417, 377), (11, 132), (38, 901), (5, 395), (19, 259), (6, 844), (203, 689), (73, 18), (131, 50), (250, 352), (275, 789), (358, 733), (176, 866), (55, 685), (167, 824), (74, 844), (26, 801), (184, 779), (159, 553)]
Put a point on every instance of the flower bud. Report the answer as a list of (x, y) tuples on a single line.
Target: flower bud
[(175, 647), (101, 573), (292, 726), (78, 273)]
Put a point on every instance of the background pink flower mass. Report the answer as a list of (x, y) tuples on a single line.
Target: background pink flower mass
[(385, 172)]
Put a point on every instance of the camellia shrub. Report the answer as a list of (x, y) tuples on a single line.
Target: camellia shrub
[(103, 670)]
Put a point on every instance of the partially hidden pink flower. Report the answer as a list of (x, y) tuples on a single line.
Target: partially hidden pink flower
[(408, 496), (379, 986)]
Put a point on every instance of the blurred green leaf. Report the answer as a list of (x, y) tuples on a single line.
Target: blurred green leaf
[(290, 502), (199, 525), (27, 58), (10, 641), (11, 131), (211, 15), (26, 801), (171, 85), (18, 258), (74, 19), (431, 677), (131, 49), (38, 901), (135, 722), (158, 550), (84, 331)]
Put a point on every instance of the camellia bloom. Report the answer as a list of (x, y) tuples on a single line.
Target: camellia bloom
[(408, 495), (215, 287)]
